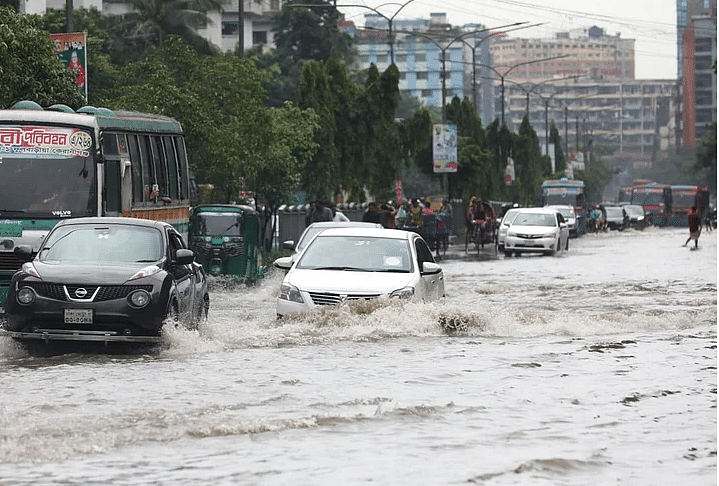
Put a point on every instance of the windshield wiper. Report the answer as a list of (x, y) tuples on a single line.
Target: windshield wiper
[(391, 270), (21, 211)]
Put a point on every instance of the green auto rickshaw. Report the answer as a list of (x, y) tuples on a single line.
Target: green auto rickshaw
[(226, 240)]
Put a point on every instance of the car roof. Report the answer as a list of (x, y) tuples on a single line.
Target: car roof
[(96, 220), (369, 232), (340, 224)]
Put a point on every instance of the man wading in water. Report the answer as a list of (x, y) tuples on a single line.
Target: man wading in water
[(695, 227)]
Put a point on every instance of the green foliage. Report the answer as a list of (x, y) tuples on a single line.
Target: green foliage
[(706, 158), (29, 68)]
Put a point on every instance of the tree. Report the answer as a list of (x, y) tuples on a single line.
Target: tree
[(151, 20), (706, 158), (301, 33), (29, 67)]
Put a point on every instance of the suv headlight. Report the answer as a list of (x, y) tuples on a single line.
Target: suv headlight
[(146, 272), (291, 293), (405, 293), (25, 296)]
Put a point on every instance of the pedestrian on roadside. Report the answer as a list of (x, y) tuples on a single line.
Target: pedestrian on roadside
[(695, 227), (372, 215), (337, 215), (318, 212)]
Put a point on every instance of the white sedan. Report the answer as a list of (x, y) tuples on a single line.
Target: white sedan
[(537, 230), (347, 264)]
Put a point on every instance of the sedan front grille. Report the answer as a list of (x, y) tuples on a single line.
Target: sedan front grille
[(528, 236), (329, 298)]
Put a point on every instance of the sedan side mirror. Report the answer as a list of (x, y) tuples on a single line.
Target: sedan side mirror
[(288, 245), (284, 263), (429, 268)]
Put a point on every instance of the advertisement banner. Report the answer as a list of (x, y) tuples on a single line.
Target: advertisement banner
[(71, 49), (444, 148)]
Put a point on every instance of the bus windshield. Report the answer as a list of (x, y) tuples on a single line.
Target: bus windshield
[(648, 198), (46, 171), (685, 199), (47, 186)]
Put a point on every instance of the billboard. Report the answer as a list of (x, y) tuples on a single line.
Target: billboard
[(444, 148), (71, 49)]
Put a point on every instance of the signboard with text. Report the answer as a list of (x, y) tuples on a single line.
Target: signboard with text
[(444, 148)]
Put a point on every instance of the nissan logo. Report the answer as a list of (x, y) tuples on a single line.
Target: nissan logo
[(80, 293)]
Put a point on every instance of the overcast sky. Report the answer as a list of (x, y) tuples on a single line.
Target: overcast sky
[(652, 23)]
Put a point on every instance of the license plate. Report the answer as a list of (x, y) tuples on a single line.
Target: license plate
[(78, 316)]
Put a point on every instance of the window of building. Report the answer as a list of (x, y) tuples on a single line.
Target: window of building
[(426, 93), (259, 37), (230, 28), (422, 75), (401, 58), (420, 57)]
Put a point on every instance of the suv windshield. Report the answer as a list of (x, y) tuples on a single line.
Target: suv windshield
[(87, 245)]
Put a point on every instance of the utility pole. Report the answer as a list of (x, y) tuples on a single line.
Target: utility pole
[(69, 12), (241, 27)]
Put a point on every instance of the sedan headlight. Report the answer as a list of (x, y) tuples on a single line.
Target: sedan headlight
[(511, 233), (25, 296), (139, 298), (405, 293), (291, 293), (552, 234)]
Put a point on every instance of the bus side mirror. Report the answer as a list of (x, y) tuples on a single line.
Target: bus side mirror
[(99, 157)]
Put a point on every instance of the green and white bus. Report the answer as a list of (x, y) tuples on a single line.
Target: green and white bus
[(56, 163)]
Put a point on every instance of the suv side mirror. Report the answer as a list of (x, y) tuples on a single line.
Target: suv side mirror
[(184, 256)]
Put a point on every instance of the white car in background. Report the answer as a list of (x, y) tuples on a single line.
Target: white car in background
[(314, 228), (537, 230), (569, 215), (504, 226), (350, 264)]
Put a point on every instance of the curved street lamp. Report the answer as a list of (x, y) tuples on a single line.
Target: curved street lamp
[(511, 68), (443, 50)]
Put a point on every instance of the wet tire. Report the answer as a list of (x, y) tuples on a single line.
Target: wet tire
[(507, 254)]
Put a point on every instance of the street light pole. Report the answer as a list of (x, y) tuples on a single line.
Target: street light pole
[(388, 19), (443, 51), (512, 68)]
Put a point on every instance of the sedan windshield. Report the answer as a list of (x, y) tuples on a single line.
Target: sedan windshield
[(357, 253), (535, 219), (83, 245)]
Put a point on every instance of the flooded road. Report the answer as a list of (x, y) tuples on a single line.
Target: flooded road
[(595, 366)]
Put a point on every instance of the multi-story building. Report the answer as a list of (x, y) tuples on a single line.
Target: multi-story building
[(686, 11), (634, 116), (589, 53), (222, 30), (698, 84), (431, 66)]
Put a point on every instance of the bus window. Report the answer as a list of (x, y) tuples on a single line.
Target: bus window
[(147, 169), (184, 170), (109, 145), (112, 187), (158, 157), (171, 166), (136, 162)]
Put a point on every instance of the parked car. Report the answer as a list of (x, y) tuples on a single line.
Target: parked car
[(351, 264), (504, 225), (569, 215), (537, 230), (314, 228), (637, 216), (107, 280), (615, 218)]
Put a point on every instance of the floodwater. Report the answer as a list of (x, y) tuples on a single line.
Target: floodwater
[(596, 366)]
